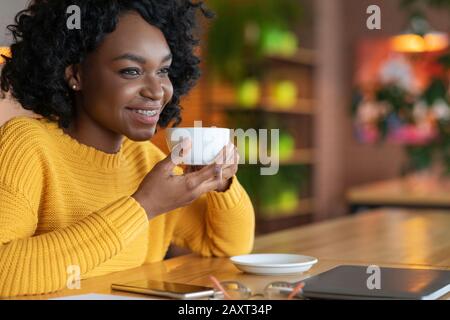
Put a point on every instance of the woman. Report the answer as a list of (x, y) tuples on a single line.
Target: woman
[(83, 185)]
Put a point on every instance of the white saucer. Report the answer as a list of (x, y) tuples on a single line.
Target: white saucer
[(273, 263)]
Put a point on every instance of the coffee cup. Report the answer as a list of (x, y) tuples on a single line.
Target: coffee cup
[(206, 143)]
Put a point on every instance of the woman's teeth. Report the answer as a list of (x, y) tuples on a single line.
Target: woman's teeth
[(148, 113)]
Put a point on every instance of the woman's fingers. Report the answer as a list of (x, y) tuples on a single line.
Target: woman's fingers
[(216, 184), (233, 158), (190, 168), (219, 179), (180, 150), (196, 178), (212, 176), (214, 181), (229, 171), (227, 155), (221, 157), (175, 157), (230, 163), (208, 178)]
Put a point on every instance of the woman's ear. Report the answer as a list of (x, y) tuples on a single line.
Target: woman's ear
[(73, 77)]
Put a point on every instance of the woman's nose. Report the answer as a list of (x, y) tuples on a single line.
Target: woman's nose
[(153, 90)]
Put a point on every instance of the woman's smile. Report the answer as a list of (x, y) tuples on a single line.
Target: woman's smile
[(144, 115)]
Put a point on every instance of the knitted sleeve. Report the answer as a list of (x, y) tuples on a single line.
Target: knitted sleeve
[(218, 223)]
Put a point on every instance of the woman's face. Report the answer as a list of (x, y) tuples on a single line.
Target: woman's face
[(126, 73)]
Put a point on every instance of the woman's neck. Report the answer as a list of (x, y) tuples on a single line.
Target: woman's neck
[(86, 131)]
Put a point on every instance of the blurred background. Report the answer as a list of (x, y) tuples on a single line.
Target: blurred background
[(363, 112)]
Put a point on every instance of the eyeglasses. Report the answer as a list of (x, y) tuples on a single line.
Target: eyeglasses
[(279, 290)]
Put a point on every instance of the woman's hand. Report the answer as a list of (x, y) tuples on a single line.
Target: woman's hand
[(161, 191), (227, 163)]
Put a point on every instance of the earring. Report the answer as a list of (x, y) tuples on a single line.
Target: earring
[(74, 87)]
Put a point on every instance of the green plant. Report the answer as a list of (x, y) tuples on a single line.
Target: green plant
[(235, 45), (400, 123), (278, 193)]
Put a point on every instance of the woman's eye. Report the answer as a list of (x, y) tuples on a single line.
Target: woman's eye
[(130, 72), (164, 71)]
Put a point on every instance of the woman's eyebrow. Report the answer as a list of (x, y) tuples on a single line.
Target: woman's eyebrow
[(132, 57), (139, 59)]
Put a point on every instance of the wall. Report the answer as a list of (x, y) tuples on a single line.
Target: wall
[(8, 9)]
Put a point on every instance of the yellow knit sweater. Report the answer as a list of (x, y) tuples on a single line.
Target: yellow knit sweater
[(63, 203)]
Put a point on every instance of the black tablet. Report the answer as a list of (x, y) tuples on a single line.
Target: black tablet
[(362, 282)]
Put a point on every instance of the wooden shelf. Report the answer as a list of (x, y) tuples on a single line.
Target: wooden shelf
[(305, 57), (300, 156), (298, 120), (303, 107), (305, 207)]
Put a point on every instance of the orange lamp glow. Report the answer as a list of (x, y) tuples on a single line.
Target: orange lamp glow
[(6, 51), (433, 41), (408, 43), (436, 41), (419, 37)]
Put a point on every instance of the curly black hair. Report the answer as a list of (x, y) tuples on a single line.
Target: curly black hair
[(43, 47)]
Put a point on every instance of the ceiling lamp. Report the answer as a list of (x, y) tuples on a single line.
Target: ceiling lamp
[(419, 37)]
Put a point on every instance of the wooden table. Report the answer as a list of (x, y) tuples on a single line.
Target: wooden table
[(412, 191), (386, 237)]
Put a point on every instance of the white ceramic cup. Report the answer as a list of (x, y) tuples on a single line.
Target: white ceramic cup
[(206, 143)]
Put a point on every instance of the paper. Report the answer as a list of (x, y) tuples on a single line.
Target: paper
[(96, 296)]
